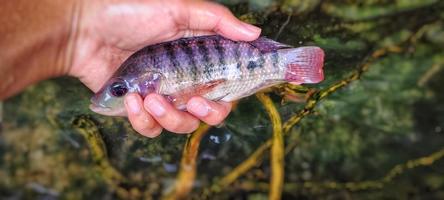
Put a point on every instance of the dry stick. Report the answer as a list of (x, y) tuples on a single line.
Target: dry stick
[(283, 26), (277, 148), (316, 97), (88, 129), (250, 162), (187, 172), (432, 71), (185, 178), (255, 158)]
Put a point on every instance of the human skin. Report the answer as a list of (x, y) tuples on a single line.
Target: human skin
[(90, 39)]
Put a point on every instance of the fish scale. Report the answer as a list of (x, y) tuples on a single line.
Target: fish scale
[(210, 66), (249, 78)]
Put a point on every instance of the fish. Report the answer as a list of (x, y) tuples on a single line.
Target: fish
[(213, 67)]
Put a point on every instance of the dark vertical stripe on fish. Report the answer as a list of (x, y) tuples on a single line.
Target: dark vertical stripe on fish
[(253, 59), (252, 65), (207, 61), (191, 57), (261, 60), (275, 60), (237, 59), (221, 52), (156, 56), (146, 58), (172, 57)]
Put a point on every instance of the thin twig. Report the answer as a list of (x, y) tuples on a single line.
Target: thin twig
[(88, 129), (429, 74), (187, 173), (277, 148), (316, 97), (312, 101), (251, 161), (283, 26), (396, 171)]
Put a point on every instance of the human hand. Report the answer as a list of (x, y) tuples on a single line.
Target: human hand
[(109, 32)]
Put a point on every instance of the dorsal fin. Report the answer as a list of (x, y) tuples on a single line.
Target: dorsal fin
[(266, 45)]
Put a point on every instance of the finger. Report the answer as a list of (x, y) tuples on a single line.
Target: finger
[(192, 33), (209, 16), (210, 112), (168, 116), (141, 120)]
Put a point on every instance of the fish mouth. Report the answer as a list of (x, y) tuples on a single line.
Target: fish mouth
[(107, 111), (99, 109), (102, 109)]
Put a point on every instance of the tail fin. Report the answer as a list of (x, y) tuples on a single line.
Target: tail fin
[(304, 64)]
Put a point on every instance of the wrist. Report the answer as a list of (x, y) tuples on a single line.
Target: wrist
[(39, 42)]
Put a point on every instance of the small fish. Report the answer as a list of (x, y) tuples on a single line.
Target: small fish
[(209, 66)]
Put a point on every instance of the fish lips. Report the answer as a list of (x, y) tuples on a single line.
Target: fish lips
[(104, 110), (108, 111)]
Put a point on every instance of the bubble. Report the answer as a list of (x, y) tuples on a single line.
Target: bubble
[(259, 127), (42, 189), (306, 175), (220, 135), (71, 141), (305, 165), (170, 167), (153, 159), (207, 156), (219, 139)]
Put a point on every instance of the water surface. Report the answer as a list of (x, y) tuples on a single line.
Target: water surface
[(346, 148)]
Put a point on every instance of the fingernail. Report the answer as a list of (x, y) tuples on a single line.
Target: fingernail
[(132, 104), (199, 108), (251, 28), (155, 107)]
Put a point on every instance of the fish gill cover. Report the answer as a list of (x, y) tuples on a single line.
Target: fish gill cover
[(373, 129)]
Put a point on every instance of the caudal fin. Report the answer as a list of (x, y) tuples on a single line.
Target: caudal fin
[(304, 64)]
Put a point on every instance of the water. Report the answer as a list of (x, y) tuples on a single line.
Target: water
[(392, 116)]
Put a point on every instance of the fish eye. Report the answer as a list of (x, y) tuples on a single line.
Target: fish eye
[(118, 89)]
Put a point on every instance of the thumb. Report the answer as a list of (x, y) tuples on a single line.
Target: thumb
[(209, 16)]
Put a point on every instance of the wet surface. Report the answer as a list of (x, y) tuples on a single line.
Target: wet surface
[(378, 137)]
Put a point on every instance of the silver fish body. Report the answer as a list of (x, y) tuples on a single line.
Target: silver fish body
[(210, 66)]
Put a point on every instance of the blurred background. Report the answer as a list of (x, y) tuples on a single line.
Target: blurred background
[(379, 137)]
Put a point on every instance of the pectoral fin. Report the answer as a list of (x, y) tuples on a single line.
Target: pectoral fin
[(181, 97)]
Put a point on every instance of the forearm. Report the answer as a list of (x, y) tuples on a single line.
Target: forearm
[(36, 41)]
